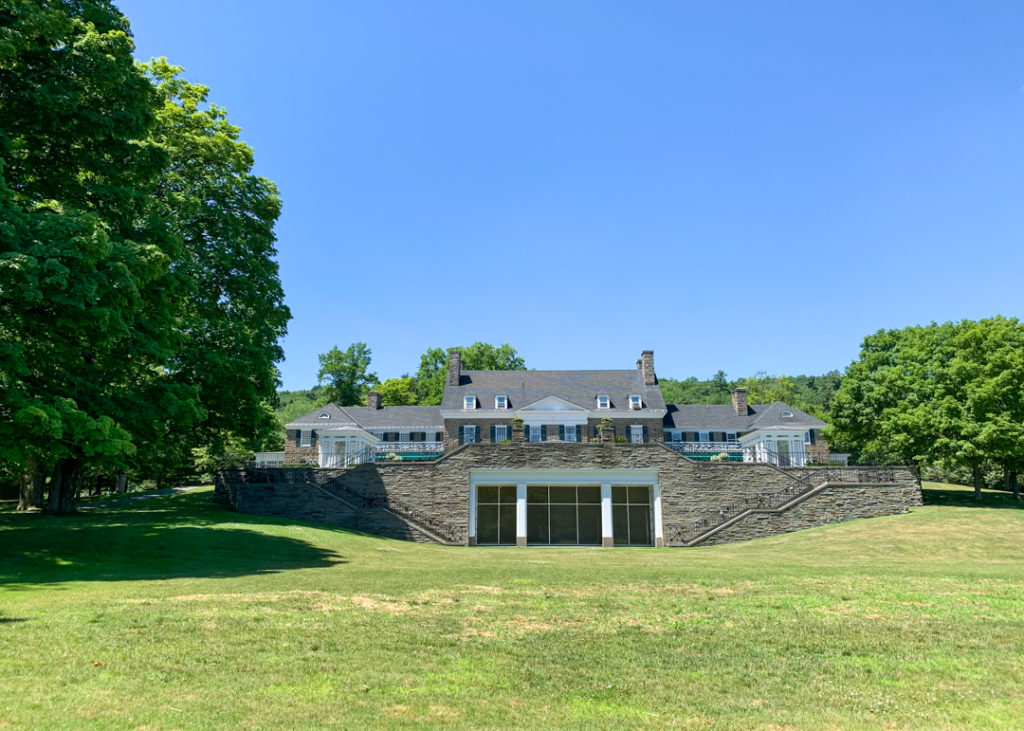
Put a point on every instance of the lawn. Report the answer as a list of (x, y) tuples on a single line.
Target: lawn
[(175, 613)]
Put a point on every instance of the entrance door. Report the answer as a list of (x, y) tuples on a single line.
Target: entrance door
[(782, 446)]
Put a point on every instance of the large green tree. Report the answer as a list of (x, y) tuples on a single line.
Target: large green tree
[(83, 265), (946, 394), (139, 308), (346, 375)]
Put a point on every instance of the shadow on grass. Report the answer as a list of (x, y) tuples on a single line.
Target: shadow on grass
[(162, 538), (963, 497)]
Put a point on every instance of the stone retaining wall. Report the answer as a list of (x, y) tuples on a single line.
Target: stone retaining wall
[(690, 490)]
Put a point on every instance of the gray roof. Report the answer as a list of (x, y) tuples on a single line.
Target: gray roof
[(389, 417), (577, 387), (723, 417)]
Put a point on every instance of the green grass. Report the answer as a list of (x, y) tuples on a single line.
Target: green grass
[(175, 613)]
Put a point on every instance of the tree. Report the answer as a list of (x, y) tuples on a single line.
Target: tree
[(83, 269), (397, 391), (433, 370), (345, 374), (234, 315), (946, 394), (139, 306)]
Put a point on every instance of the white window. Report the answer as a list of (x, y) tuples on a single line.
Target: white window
[(324, 415), (807, 437), (534, 433), (403, 436), (635, 402), (603, 402), (469, 434), (636, 434), (787, 414), (501, 402), (704, 437), (570, 433), (500, 433), (469, 402), (306, 438), (730, 436)]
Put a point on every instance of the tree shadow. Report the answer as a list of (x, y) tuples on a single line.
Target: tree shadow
[(964, 498), (164, 538)]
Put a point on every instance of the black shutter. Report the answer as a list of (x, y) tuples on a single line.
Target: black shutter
[(561, 432), (812, 436), (462, 435), (492, 433), (647, 436), (544, 432)]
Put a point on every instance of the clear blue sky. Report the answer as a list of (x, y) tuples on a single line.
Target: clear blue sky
[(743, 186)]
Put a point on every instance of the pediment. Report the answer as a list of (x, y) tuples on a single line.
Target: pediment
[(553, 403)]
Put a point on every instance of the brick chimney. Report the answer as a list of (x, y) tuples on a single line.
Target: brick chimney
[(739, 401), (454, 367), (373, 400), (647, 368)]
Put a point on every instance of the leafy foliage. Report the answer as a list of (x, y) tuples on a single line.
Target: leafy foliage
[(346, 374), (397, 391), (479, 356)]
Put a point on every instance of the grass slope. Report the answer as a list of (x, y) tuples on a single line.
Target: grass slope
[(175, 613)]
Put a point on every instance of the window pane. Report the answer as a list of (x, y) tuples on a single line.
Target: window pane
[(487, 493), (563, 524), (487, 524), (508, 493), (563, 494), (590, 524), (536, 494), (589, 493), (620, 525), (618, 494), (639, 494), (537, 524), (639, 525), (507, 524)]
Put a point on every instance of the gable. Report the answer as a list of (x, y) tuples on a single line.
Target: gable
[(553, 403)]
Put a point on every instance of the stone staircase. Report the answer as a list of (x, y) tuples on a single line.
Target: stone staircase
[(806, 484)]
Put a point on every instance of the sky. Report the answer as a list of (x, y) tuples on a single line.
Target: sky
[(744, 186)]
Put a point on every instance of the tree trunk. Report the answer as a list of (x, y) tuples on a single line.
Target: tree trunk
[(1014, 487), (30, 493), (976, 476), (64, 487), (122, 483)]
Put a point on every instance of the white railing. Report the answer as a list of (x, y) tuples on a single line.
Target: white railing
[(269, 459), (408, 447), (713, 447)]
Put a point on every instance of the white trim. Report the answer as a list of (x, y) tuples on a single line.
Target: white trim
[(607, 525), (634, 431), (549, 404), (504, 435), (305, 437), (469, 403), (607, 402), (639, 402), (659, 529), (465, 434), (472, 511), (520, 511), (496, 402), (488, 476)]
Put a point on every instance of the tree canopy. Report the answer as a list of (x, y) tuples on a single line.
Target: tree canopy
[(345, 374), (947, 394), (433, 370), (104, 320)]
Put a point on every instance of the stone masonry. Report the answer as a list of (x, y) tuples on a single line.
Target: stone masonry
[(690, 491)]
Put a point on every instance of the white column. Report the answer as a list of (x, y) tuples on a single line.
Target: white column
[(607, 535), (521, 514), (659, 532), (472, 514)]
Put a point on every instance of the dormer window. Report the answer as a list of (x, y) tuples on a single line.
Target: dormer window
[(603, 402), (787, 414), (501, 402), (635, 402), (324, 415), (469, 402)]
